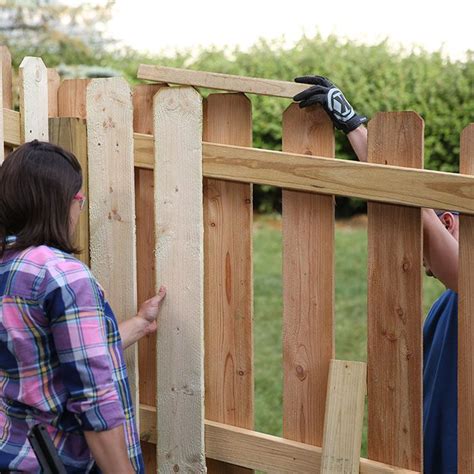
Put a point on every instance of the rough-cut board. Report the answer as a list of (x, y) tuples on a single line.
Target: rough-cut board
[(226, 82), (391, 184), (395, 302), (71, 134), (53, 85), (33, 99), (72, 98), (6, 65), (344, 417), (465, 320), (228, 289), (179, 266), (145, 223), (255, 450), (11, 127), (308, 283), (112, 201)]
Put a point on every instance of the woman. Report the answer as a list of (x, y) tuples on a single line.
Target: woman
[(61, 360)]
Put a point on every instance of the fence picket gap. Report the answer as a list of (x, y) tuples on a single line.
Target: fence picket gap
[(111, 202), (308, 299), (179, 265), (34, 99), (465, 321), (395, 302)]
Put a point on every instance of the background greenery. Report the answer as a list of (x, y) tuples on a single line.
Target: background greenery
[(374, 78), (351, 312)]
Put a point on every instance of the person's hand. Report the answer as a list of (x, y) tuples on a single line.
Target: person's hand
[(324, 92), (150, 309)]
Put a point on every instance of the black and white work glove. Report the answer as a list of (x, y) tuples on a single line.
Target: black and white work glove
[(324, 92)]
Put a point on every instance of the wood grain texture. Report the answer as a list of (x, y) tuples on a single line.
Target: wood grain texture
[(33, 99), (11, 127), (308, 283), (225, 82), (145, 229), (72, 98), (254, 450), (465, 320), (71, 134), (395, 303), (112, 202), (344, 417), (6, 65), (228, 288), (315, 174), (179, 265), (54, 81)]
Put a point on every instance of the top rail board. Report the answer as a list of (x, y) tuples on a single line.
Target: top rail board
[(225, 82)]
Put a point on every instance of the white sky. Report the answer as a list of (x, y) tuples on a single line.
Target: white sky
[(156, 26)]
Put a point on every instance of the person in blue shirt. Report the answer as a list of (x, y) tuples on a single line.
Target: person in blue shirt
[(440, 255)]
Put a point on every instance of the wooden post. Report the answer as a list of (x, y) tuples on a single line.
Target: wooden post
[(145, 224), (6, 92), (112, 202), (179, 265), (33, 99), (72, 98), (54, 81), (465, 320), (228, 287), (71, 134), (395, 302), (344, 417), (308, 284)]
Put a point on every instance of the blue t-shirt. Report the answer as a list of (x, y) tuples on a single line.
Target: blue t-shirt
[(440, 378)]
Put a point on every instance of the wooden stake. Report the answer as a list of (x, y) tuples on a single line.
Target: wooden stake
[(344, 417), (34, 99), (308, 284), (465, 320), (228, 290), (112, 199), (179, 265), (54, 82), (395, 303)]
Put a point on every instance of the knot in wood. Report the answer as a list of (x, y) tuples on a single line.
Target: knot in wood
[(300, 372)]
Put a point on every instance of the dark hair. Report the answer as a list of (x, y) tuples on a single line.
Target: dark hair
[(38, 182)]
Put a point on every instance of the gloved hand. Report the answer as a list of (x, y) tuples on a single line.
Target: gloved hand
[(324, 92)]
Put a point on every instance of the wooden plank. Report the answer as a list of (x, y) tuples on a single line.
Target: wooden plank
[(54, 81), (344, 418), (228, 287), (179, 264), (6, 65), (315, 174), (465, 320), (145, 228), (111, 201), (71, 134), (255, 450), (72, 98), (225, 82), (33, 99), (308, 284), (395, 303), (11, 127)]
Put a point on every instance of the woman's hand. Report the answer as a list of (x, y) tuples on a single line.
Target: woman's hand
[(150, 309)]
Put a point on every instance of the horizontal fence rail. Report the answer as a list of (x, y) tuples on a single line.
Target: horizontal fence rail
[(226, 82)]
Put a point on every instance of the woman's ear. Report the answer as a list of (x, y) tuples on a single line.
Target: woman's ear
[(448, 221)]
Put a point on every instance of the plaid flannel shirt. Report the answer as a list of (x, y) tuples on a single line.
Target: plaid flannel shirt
[(61, 360)]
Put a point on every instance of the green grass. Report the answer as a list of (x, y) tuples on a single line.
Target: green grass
[(351, 311)]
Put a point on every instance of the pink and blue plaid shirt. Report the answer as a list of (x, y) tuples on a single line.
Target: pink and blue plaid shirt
[(61, 360)]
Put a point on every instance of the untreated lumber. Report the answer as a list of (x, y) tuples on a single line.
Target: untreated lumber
[(225, 82), (261, 451), (11, 127)]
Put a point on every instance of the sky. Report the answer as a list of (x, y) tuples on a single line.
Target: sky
[(157, 26)]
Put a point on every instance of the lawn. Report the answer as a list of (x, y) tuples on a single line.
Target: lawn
[(351, 310)]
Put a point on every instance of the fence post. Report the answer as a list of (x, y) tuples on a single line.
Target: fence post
[(6, 92), (395, 302), (33, 99), (465, 319), (308, 284), (54, 81), (179, 266), (111, 202)]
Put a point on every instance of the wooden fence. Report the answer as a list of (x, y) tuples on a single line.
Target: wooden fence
[(153, 219)]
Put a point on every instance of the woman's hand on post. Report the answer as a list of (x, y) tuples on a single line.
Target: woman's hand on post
[(150, 310)]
